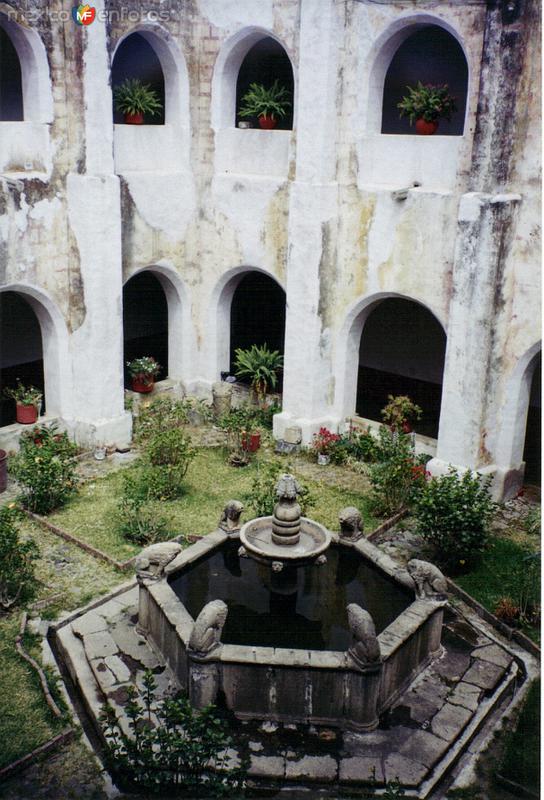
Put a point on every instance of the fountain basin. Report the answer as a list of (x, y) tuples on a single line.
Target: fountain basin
[(291, 684), (257, 537)]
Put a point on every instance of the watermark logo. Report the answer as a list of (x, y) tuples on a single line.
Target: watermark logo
[(83, 14)]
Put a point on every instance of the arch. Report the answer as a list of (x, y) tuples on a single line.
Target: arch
[(265, 62), (226, 71), (220, 313), (179, 346), (510, 445), (37, 97), (382, 53), (54, 347), (174, 70), (349, 344)]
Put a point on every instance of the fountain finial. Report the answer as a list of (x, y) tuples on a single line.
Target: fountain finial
[(287, 512)]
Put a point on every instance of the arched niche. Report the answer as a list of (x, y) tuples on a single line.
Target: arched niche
[(11, 85), (264, 63)]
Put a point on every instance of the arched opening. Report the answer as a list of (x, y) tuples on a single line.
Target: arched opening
[(257, 314), (21, 351), (145, 322), (11, 83), (136, 58), (533, 432), (430, 55), (265, 63), (401, 352)]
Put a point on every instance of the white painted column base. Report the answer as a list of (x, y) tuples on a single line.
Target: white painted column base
[(308, 426), (90, 433), (505, 481)]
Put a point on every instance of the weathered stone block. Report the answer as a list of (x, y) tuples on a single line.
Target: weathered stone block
[(267, 766), (99, 645), (494, 654), (484, 674), (313, 768), (450, 721), (361, 769), (408, 772), (466, 695)]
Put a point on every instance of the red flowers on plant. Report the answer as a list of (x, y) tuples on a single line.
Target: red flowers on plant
[(324, 441)]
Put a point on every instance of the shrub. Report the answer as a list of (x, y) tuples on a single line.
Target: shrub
[(324, 442), (138, 520), (175, 751), (45, 467), (401, 413), (398, 476), (262, 496), (163, 413), (167, 459), (236, 423), (453, 513), (532, 521), (355, 446), (17, 582)]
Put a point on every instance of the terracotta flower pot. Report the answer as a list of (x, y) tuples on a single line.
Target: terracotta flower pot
[(26, 415), (134, 119), (251, 442), (268, 123), (143, 384), (425, 128), (406, 427)]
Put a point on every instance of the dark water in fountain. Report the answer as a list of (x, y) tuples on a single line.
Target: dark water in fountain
[(302, 608)]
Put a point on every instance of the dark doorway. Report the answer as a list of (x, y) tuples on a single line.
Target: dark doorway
[(21, 353), (11, 88), (257, 314), (266, 62), (401, 353), (135, 58), (145, 322), (533, 433), (431, 55)]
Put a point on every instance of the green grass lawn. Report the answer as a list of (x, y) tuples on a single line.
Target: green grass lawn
[(209, 484), (521, 759)]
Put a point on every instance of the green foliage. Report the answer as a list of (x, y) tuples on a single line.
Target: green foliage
[(453, 513), (146, 366), (400, 412), (17, 581), (354, 446), (165, 412), (521, 759), (398, 475), (532, 522), (262, 497), (237, 423), (526, 584), (137, 519), (175, 752), (260, 365), (45, 468), (428, 102), (262, 101), (25, 395), (134, 97), (166, 461)]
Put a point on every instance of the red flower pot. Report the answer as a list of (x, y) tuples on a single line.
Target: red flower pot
[(251, 443), (268, 123), (134, 119), (143, 384), (406, 427), (425, 128), (26, 415)]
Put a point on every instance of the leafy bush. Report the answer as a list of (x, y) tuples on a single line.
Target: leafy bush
[(167, 459), (355, 446), (45, 467), (262, 497), (453, 513), (532, 521), (163, 413), (401, 413), (174, 752), (17, 582), (398, 475), (138, 520), (324, 442), (523, 604), (237, 423)]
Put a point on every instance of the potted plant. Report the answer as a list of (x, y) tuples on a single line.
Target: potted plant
[(143, 372), (135, 99), (401, 413), (266, 103), (242, 438), (261, 366), (323, 443), (28, 402), (426, 104)]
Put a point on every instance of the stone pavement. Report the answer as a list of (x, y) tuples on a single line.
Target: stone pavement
[(418, 739)]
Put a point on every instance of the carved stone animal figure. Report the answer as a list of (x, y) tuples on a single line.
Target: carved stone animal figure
[(153, 559), (230, 518), (351, 523), (365, 647), (206, 634), (428, 579)]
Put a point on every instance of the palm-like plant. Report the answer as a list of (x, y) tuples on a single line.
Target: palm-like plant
[(134, 97), (261, 366), (428, 102), (262, 101)]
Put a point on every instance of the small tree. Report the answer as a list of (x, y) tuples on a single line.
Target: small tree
[(45, 467), (171, 746), (261, 366), (398, 475), (17, 582)]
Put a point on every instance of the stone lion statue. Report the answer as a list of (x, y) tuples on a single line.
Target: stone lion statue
[(428, 579), (206, 634), (351, 523), (230, 518), (365, 648), (153, 559)]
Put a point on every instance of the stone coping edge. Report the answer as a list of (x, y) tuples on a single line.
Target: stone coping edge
[(71, 616), (43, 749)]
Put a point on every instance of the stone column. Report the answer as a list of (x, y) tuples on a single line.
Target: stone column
[(308, 387), (470, 374), (204, 679), (361, 701), (95, 221)]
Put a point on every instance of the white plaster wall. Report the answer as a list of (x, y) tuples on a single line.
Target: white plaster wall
[(252, 152), (25, 147)]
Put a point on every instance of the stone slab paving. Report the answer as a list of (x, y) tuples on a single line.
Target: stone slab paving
[(105, 654)]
